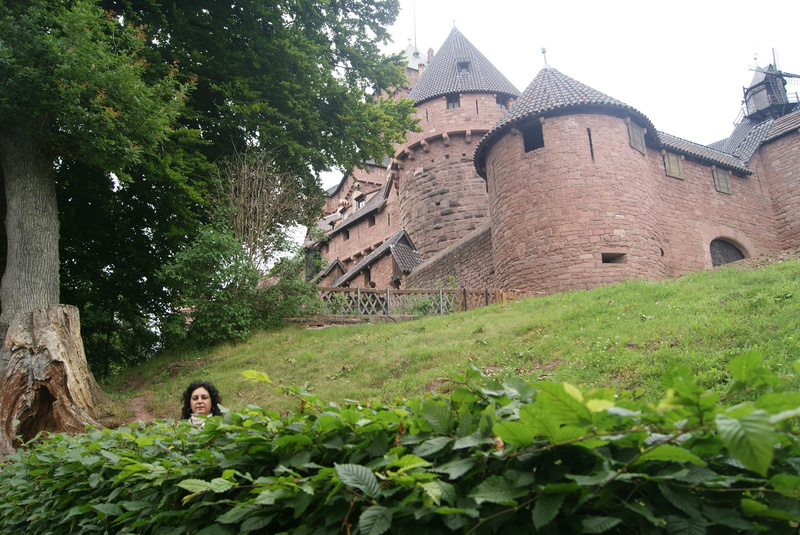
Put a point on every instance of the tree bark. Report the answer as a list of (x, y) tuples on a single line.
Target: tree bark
[(47, 384), (30, 278)]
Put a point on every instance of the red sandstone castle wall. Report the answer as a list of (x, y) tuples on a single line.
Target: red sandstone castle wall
[(778, 162), (556, 210), (692, 213), (355, 241), (469, 261), (442, 198)]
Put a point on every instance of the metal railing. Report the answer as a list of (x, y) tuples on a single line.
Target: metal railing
[(386, 302)]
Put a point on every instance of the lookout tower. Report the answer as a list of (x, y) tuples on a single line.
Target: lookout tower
[(458, 97)]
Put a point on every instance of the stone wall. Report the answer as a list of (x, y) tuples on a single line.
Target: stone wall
[(779, 163), (442, 198), (469, 261), (576, 213), (354, 241), (692, 213)]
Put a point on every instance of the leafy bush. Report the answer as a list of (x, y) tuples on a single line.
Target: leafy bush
[(489, 458), (291, 296), (214, 283)]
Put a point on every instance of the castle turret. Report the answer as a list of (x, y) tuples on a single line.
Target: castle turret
[(459, 96), (572, 205)]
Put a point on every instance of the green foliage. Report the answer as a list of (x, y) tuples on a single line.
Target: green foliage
[(213, 285), (491, 457), (136, 225), (294, 76), (74, 77), (291, 296)]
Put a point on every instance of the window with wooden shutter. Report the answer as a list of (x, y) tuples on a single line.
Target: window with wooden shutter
[(673, 165), (636, 136), (722, 181)]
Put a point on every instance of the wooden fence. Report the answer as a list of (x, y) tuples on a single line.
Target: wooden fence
[(374, 302)]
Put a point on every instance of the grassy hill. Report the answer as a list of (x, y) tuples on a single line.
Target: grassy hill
[(622, 336)]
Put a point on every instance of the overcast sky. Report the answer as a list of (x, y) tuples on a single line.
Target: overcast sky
[(681, 63)]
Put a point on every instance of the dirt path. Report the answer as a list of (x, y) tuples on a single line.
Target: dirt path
[(138, 406)]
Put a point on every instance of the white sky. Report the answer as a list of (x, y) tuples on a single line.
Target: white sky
[(681, 63)]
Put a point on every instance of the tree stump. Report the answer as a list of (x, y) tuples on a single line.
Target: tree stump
[(46, 382)]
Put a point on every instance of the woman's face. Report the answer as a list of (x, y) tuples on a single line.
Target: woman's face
[(200, 401)]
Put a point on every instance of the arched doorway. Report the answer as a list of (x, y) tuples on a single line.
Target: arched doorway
[(724, 252)]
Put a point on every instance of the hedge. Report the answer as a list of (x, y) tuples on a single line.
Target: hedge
[(489, 457)]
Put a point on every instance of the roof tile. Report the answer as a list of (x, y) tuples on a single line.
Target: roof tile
[(443, 75)]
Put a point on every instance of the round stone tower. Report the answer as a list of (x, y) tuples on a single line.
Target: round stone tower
[(571, 194), (458, 97)]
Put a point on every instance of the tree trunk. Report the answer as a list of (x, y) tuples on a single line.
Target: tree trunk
[(46, 382), (30, 278)]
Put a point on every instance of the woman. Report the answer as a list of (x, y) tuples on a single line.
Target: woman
[(201, 398)]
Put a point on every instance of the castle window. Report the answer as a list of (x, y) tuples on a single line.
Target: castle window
[(371, 221), (533, 137), (360, 201), (501, 102), (463, 67), (453, 101), (722, 181), (367, 276), (673, 166), (724, 252), (345, 235), (636, 136), (614, 258)]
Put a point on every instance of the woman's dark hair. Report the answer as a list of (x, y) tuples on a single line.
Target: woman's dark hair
[(216, 399)]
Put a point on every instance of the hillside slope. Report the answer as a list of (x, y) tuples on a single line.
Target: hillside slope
[(622, 336)]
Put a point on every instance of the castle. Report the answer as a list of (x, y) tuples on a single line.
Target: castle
[(558, 188)]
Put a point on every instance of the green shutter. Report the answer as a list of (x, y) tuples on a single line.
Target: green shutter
[(673, 166), (722, 181), (636, 136)]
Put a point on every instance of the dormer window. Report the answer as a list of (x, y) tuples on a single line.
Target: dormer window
[(453, 101), (360, 200), (501, 102), (463, 67)]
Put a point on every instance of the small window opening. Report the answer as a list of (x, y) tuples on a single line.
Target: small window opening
[(673, 166), (533, 137), (591, 146), (367, 276), (614, 258), (453, 101), (463, 67), (345, 235), (477, 112), (636, 136), (371, 221), (501, 102), (722, 181), (360, 200)]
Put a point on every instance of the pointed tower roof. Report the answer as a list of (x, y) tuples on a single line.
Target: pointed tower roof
[(550, 94), (459, 67)]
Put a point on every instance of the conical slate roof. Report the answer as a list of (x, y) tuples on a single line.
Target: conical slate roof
[(553, 93), (448, 73)]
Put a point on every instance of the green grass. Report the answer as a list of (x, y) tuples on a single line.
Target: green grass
[(622, 336)]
